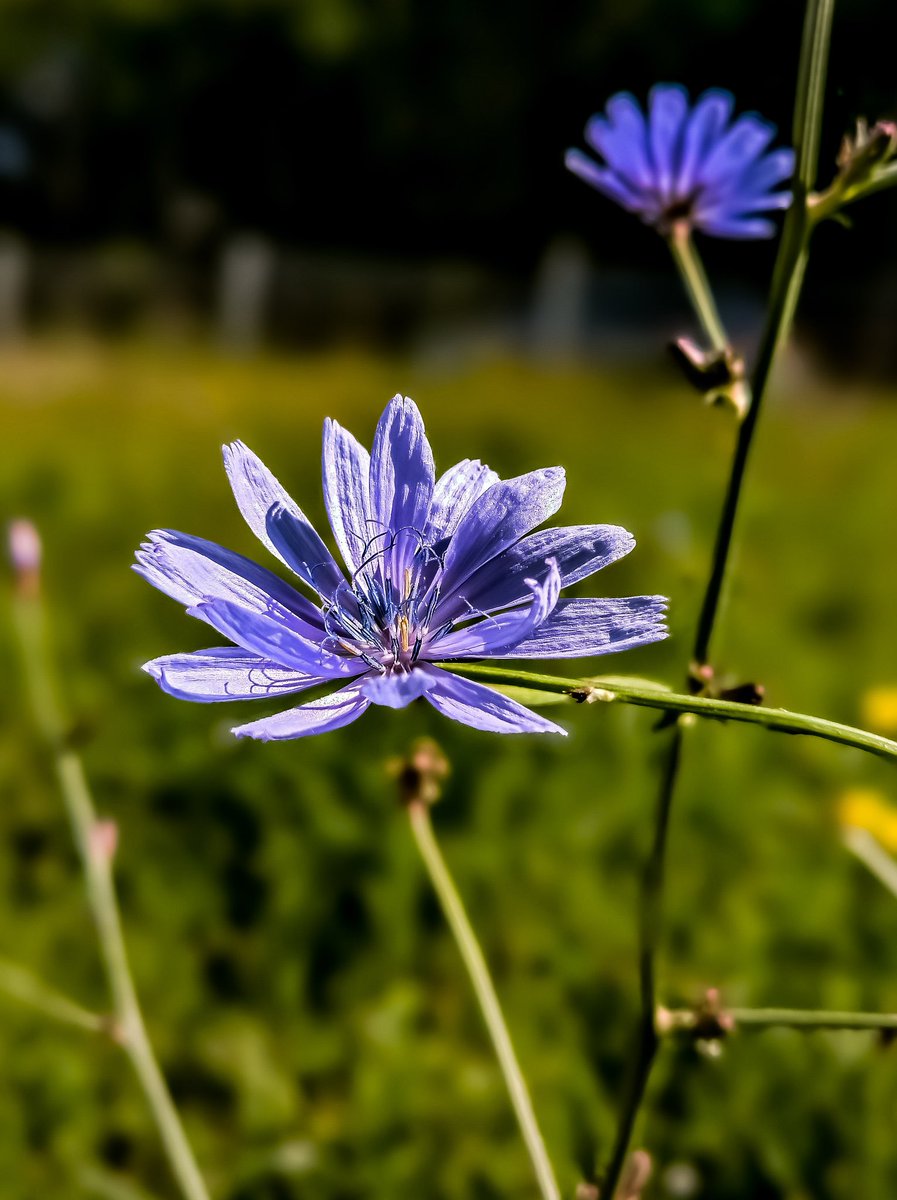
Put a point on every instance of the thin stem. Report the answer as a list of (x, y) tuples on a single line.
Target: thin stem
[(650, 903), (18, 982), (691, 269), (788, 276), (778, 720), (872, 854), (685, 1020), (798, 1018), (97, 868), (781, 315), (478, 971), (786, 285)]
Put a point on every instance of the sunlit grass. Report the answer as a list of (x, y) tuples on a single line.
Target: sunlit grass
[(299, 984)]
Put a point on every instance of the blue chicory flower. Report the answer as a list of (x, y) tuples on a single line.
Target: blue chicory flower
[(688, 165), (437, 569)]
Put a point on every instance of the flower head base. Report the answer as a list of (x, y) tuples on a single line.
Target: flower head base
[(687, 165), (436, 570)]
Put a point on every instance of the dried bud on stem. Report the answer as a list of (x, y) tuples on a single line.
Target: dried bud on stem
[(719, 375), (706, 1021), (420, 775), (863, 161), (868, 148)]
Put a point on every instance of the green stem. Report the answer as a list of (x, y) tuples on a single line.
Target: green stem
[(650, 903), (786, 284), (798, 1018), (97, 868), (779, 720), (472, 955), (685, 1020), (787, 281), (781, 315), (872, 854), (691, 269), (16, 981)]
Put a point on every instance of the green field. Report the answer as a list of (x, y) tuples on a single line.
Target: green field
[(307, 1004)]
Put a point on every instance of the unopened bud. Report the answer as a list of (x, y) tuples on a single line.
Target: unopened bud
[(104, 840), (866, 149), (636, 1176), (25, 555), (421, 774), (719, 375)]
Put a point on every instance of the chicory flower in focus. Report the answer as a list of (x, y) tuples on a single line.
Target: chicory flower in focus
[(684, 164), (435, 570)]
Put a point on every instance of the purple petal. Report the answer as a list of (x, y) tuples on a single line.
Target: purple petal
[(402, 474), (454, 493), (772, 169), (704, 128), (580, 551), (495, 634), (604, 180), (256, 492), (736, 150), (320, 716), (346, 470), (226, 673), (296, 541), (276, 635), (395, 691), (482, 707), (190, 570), (668, 109), (581, 628), (498, 519), (735, 227), (621, 139)]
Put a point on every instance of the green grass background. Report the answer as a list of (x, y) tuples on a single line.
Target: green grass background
[(306, 1002)]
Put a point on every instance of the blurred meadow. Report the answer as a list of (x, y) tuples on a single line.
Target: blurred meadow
[(305, 999), (177, 272)]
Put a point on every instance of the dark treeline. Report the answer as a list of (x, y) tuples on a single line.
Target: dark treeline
[(399, 128)]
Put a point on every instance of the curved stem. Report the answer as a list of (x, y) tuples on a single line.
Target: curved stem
[(478, 971), (588, 691), (691, 269), (96, 862)]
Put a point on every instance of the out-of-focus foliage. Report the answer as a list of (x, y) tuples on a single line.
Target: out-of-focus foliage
[(308, 1006)]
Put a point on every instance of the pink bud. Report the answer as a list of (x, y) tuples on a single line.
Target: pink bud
[(104, 840), (25, 553)]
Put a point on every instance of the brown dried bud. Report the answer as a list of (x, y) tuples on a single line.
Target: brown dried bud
[(420, 775), (866, 149), (719, 375)]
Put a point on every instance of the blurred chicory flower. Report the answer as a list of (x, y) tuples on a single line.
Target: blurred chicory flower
[(684, 164), (437, 569)]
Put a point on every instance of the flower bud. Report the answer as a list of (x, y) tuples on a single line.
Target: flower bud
[(104, 840), (25, 555), (868, 148), (718, 374)]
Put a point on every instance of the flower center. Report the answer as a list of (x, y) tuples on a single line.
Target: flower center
[(384, 615)]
